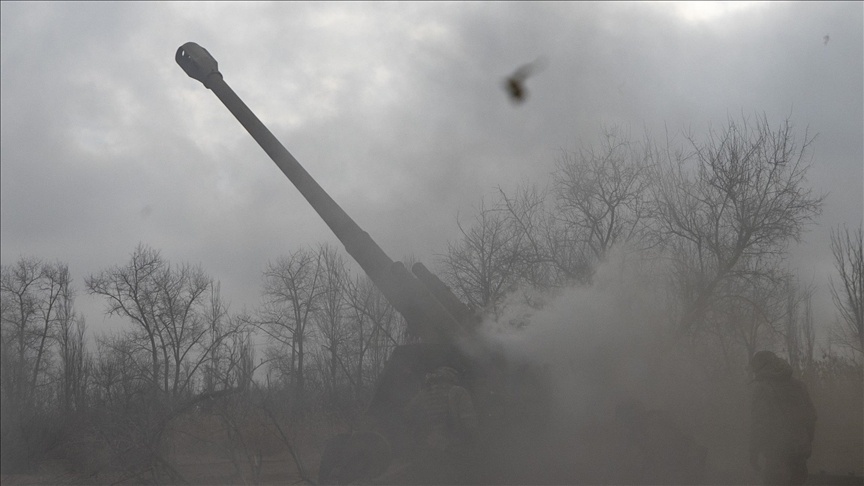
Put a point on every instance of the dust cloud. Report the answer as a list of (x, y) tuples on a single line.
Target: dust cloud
[(612, 344), (599, 344)]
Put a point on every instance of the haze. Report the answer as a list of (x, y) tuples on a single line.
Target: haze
[(400, 112)]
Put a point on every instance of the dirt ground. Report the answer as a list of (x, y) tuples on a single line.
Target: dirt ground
[(204, 451)]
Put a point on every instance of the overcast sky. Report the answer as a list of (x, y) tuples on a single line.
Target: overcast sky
[(395, 108)]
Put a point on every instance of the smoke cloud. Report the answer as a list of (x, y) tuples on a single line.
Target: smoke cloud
[(612, 343)]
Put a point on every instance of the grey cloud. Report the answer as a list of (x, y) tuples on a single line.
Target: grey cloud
[(396, 108)]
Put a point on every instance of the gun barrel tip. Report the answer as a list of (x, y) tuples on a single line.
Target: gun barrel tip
[(197, 62)]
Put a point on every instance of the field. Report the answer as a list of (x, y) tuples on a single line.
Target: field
[(235, 443)]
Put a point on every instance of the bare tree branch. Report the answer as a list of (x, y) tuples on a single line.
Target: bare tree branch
[(848, 294)]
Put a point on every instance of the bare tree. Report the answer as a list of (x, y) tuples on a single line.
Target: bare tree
[(148, 375), (181, 292), (34, 297), (330, 319), (292, 289), (552, 256), (602, 193), (798, 333), (168, 305), (21, 301), (484, 265), (748, 315), (130, 292), (848, 294), (229, 339), (600, 200), (807, 332), (121, 371), (216, 317), (728, 210), (75, 360), (375, 327)]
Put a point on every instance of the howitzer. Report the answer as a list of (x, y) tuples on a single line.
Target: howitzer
[(431, 310), (425, 309)]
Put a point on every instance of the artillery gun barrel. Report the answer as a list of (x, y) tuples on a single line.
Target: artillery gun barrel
[(426, 316)]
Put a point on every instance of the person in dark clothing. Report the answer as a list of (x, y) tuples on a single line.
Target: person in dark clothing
[(783, 422)]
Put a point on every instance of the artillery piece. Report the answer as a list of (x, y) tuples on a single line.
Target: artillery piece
[(508, 399)]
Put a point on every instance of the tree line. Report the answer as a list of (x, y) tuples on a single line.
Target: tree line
[(718, 213), (715, 216)]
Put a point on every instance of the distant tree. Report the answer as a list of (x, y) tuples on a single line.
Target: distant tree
[(75, 359), (761, 313), (121, 371), (168, 305), (747, 315), (798, 332), (19, 297), (375, 329), (601, 192), (292, 291), (551, 253), (131, 417), (147, 376), (330, 319), (599, 199), (130, 291), (848, 294), (216, 371), (230, 364), (34, 297), (484, 265), (728, 209)]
